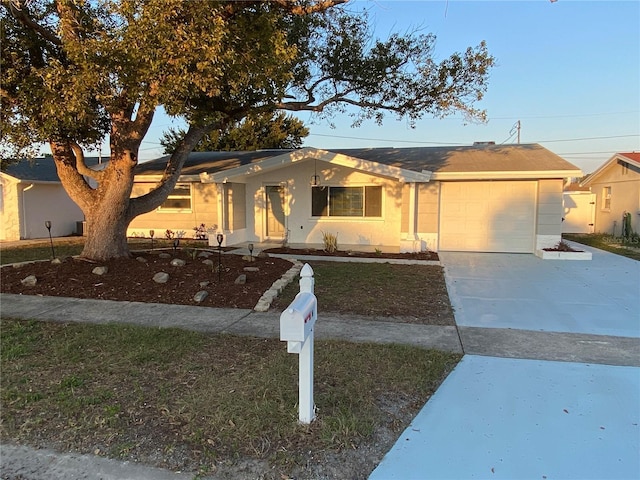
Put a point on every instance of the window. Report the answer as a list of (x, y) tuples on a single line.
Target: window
[(606, 198), (179, 199), (346, 201)]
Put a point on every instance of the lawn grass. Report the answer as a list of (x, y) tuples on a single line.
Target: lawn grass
[(130, 392), (70, 246), (606, 242), (378, 289)]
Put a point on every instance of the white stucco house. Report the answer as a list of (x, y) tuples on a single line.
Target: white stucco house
[(486, 198), (616, 188), (30, 194)]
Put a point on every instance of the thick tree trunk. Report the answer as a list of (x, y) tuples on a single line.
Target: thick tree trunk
[(107, 218)]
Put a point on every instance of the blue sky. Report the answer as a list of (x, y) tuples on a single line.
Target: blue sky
[(568, 70)]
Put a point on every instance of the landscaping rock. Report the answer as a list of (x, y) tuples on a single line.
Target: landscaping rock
[(56, 261), (161, 277), (178, 262), (251, 269), (100, 270), (249, 258), (142, 260), (204, 284), (165, 255), (200, 296), (208, 262), (241, 280), (29, 281), (204, 254), (262, 255)]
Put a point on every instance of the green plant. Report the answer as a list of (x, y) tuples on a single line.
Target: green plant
[(330, 242), (378, 251)]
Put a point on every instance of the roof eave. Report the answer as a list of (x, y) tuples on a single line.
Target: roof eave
[(587, 182), (280, 161), (507, 175)]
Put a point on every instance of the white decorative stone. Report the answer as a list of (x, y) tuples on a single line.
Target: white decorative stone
[(251, 269), (204, 284), (164, 255), (29, 281), (178, 262), (161, 277), (100, 270), (56, 261), (200, 296), (241, 280), (141, 259), (208, 262)]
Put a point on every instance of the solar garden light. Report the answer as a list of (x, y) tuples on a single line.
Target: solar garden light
[(176, 244), (219, 238), (250, 247), (151, 234), (47, 224)]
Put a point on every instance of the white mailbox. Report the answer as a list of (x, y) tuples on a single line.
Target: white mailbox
[(297, 321), (296, 328)]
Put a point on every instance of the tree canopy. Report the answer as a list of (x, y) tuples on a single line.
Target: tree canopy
[(254, 132), (74, 71)]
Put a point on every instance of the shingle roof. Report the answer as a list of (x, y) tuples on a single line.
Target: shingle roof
[(40, 169), (477, 158)]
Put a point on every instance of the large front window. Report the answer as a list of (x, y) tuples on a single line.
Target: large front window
[(179, 198), (346, 201)]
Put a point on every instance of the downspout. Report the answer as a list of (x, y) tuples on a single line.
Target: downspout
[(24, 211)]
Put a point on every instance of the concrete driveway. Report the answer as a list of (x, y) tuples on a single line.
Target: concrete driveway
[(519, 291), (530, 416)]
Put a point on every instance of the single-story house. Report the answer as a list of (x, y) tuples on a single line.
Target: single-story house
[(616, 185), (486, 198), (30, 194)]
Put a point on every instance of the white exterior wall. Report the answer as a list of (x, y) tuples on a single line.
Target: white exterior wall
[(9, 210), (26, 206), (550, 212), (303, 228)]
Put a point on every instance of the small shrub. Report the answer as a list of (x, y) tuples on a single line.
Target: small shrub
[(330, 242)]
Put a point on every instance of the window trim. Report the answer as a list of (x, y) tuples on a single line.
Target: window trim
[(172, 195), (362, 216), (606, 198)]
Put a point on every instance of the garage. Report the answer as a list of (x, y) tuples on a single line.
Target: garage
[(488, 216)]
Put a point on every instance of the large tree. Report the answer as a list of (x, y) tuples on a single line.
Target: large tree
[(74, 71), (266, 130)]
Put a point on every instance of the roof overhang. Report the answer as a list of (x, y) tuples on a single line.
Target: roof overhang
[(504, 175), (239, 174), (601, 169)]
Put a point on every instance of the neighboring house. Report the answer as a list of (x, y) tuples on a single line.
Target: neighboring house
[(579, 209), (616, 185), (487, 198), (30, 194)]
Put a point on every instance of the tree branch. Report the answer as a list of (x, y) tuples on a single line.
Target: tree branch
[(318, 6), (22, 15), (81, 165)]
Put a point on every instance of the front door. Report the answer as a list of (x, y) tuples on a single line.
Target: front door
[(275, 212)]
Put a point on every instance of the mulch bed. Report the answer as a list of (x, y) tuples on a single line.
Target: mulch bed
[(348, 253), (132, 280)]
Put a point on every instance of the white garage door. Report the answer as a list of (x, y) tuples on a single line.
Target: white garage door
[(494, 216)]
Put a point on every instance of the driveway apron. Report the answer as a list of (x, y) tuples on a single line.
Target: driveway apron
[(522, 418)]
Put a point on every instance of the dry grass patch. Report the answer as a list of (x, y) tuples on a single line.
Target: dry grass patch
[(189, 401)]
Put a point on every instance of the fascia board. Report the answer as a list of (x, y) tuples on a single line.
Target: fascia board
[(157, 178), (280, 161), (547, 174), (604, 167)]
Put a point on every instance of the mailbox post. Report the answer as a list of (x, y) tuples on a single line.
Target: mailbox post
[(296, 328)]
